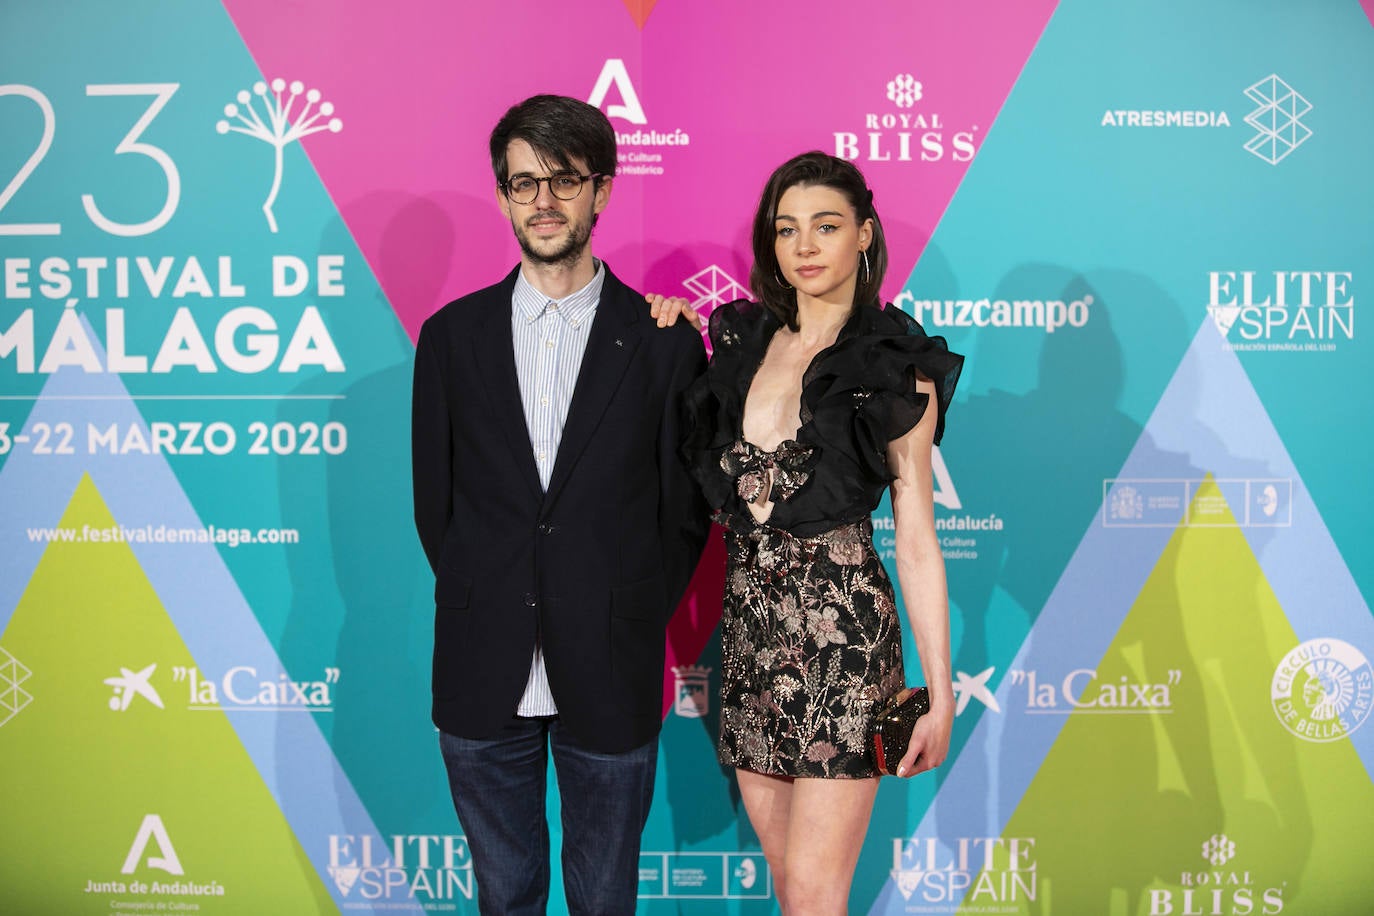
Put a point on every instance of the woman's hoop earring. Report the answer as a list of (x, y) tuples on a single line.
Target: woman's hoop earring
[(777, 276), (863, 253)]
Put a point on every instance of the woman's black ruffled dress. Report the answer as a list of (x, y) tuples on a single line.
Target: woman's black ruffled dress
[(810, 634)]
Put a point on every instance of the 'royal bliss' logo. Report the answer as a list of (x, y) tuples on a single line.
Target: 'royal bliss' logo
[(641, 148), (1282, 310), (1218, 890), (978, 871), (1323, 690), (907, 131)]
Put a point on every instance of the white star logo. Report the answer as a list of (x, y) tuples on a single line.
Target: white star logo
[(976, 687), (130, 683)]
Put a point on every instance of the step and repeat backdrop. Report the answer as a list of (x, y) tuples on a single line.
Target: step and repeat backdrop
[(1147, 225)]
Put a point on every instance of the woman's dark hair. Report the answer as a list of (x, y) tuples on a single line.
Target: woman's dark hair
[(812, 169), (557, 128)]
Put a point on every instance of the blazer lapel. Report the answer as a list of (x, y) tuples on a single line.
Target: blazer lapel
[(494, 354), (610, 347)]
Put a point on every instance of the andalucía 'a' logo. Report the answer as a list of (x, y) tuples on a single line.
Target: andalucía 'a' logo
[(151, 830), (629, 109), (945, 494), (278, 125), (1323, 690)]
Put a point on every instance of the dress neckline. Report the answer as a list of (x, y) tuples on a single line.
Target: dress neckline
[(847, 330)]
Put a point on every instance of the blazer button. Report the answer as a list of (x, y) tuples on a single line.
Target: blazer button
[(546, 529), (529, 599)]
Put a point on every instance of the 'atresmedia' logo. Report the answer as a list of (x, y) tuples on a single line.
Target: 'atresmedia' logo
[(1277, 119)]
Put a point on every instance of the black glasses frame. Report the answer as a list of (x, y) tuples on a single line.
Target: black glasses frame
[(509, 191)]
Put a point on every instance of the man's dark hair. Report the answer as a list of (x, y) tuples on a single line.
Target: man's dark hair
[(809, 170), (558, 129)]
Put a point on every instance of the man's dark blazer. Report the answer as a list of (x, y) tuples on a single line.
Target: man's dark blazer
[(593, 567)]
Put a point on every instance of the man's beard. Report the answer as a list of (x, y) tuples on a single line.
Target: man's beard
[(571, 251)]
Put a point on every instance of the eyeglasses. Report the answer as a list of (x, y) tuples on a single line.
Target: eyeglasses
[(523, 189)]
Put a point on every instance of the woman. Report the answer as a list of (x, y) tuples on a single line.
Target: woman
[(817, 400)]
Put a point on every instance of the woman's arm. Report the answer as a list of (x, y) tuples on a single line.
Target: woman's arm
[(921, 572)]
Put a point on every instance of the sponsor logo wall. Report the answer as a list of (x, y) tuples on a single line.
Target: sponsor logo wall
[(215, 620)]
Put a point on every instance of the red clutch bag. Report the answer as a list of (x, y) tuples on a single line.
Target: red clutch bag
[(890, 731)]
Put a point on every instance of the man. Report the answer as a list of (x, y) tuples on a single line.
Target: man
[(560, 523)]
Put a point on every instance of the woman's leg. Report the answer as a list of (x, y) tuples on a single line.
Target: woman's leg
[(811, 831), (767, 799), (825, 832)]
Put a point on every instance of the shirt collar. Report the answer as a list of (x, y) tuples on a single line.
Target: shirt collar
[(578, 306)]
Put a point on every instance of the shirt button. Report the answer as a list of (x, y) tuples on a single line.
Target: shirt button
[(544, 401), (548, 344), (529, 599)]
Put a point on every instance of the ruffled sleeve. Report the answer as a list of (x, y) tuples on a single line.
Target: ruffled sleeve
[(860, 395), (714, 403)]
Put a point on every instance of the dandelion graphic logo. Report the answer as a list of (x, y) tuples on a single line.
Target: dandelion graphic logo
[(903, 90), (279, 127)]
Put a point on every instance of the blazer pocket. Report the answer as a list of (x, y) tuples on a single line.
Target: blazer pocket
[(452, 595), (452, 591), (637, 619), (642, 600)]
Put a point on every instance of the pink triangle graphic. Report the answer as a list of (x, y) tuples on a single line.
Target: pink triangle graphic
[(421, 82)]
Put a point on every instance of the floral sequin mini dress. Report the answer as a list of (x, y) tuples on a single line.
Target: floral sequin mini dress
[(810, 632)]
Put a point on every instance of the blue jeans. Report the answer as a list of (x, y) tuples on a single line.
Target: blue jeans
[(498, 788)]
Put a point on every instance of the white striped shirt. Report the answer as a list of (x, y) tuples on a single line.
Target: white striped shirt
[(550, 336)]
